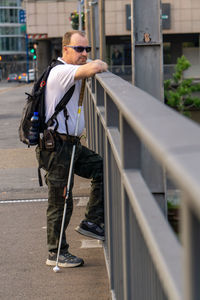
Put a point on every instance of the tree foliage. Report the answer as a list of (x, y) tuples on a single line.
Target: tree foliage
[(179, 92)]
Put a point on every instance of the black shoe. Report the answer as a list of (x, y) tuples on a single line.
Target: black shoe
[(91, 229), (66, 260)]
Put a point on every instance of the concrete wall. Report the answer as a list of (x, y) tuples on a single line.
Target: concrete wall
[(115, 16), (185, 16), (48, 17), (53, 17)]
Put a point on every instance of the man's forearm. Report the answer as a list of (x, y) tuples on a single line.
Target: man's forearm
[(90, 69)]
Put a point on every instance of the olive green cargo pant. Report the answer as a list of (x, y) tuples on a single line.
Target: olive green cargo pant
[(87, 164)]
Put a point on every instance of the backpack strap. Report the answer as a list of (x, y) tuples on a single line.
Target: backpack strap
[(40, 85), (66, 118), (61, 106), (40, 176)]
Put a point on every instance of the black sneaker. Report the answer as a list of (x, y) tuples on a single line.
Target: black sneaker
[(91, 229), (66, 260)]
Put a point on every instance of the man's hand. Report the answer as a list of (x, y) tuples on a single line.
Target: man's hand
[(102, 65), (90, 69)]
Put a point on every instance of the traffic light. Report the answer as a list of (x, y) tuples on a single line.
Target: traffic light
[(35, 52), (32, 49)]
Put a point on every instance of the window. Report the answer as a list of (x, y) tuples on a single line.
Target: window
[(9, 15), (189, 45), (9, 30), (11, 44), (10, 2), (167, 53)]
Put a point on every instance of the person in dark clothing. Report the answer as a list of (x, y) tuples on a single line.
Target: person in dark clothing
[(116, 61)]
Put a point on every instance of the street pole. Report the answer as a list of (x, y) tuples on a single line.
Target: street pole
[(27, 57), (80, 19), (87, 21), (35, 61), (92, 30), (102, 40), (147, 60)]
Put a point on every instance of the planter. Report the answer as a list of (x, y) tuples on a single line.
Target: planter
[(74, 20)]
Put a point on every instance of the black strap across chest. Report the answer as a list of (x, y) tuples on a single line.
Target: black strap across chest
[(61, 106)]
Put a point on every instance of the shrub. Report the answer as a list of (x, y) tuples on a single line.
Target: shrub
[(179, 92)]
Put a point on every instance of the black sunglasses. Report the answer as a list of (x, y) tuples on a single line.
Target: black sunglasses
[(80, 49)]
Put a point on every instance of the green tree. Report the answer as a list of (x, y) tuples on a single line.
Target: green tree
[(179, 92)]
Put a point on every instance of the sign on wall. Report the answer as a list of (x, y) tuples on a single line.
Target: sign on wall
[(166, 16), (22, 16), (128, 17)]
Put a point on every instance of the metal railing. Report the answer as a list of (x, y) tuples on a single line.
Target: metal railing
[(145, 259)]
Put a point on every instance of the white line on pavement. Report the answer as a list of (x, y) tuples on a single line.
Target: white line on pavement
[(82, 201)]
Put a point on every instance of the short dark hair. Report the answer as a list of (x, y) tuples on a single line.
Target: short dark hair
[(67, 36)]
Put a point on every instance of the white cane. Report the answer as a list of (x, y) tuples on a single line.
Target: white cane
[(56, 268)]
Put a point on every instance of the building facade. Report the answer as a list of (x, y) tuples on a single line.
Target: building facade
[(182, 37), (48, 20), (12, 36)]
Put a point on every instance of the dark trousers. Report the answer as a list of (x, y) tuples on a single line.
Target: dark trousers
[(87, 164)]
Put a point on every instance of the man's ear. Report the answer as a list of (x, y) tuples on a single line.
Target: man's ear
[(65, 49)]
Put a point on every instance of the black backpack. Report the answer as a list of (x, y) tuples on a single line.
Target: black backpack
[(36, 103)]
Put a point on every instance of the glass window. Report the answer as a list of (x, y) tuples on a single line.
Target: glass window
[(189, 45), (167, 53), (10, 2), (11, 44), (9, 15), (9, 30)]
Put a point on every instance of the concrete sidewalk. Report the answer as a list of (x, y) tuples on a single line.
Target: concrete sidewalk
[(24, 274)]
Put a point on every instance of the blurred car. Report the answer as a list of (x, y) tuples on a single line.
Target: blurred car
[(12, 77), (24, 78)]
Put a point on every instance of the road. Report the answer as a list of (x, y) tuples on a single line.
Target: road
[(12, 98), (23, 252), (18, 165)]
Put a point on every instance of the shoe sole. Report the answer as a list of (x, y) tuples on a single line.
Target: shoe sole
[(63, 265), (89, 234)]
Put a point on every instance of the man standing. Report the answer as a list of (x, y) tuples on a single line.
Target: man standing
[(87, 163)]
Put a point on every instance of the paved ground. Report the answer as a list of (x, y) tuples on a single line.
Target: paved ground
[(24, 274)]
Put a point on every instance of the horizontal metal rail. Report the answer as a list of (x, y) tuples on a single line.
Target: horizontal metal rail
[(145, 259)]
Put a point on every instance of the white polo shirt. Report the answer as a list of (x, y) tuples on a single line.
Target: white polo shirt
[(60, 80)]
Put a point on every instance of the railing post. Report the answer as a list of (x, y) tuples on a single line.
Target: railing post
[(147, 75), (102, 40), (191, 243)]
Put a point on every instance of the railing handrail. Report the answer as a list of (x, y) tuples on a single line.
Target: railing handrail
[(174, 146), (116, 107)]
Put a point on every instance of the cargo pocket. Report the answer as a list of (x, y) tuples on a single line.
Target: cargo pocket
[(58, 175), (45, 158)]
